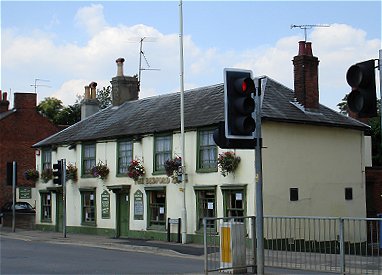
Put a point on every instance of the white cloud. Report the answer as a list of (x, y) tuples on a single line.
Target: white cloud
[(91, 18), (70, 67)]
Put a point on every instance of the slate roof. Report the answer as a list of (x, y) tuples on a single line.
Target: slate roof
[(202, 107)]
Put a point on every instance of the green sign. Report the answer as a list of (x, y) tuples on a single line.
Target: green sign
[(105, 205), (138, 205), (25, 193)]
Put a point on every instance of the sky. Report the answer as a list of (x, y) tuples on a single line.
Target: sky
[(57, 48)]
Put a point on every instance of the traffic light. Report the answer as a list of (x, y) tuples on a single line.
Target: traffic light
[(225, 143), (362, 99), (57, 172), (239, 104)]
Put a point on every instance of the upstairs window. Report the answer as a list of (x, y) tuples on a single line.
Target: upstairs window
[(125, 156), (46, 158), (207, 151), (88, 159), (162, 152)]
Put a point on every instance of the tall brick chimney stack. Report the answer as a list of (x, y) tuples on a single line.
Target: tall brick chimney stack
[(124, 88), (25, 101), (4, 103), (306, 77)]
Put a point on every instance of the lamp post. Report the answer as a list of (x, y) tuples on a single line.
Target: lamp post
[(182, 143)]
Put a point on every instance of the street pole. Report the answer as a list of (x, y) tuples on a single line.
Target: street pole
[(380, 93), (14, 171), (182, 143), (63, 182), (259, 185)]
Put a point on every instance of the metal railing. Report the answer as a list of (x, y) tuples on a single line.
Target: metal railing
[(324, 244)]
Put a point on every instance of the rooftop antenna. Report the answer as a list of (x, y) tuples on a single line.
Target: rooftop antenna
[(35, 85), (141, 53), (306, 27)]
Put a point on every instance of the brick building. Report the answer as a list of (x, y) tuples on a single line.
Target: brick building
[(20, 128)]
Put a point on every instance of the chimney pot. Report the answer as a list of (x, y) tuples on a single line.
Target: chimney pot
[(87, 92), (308, 49), (4, 103), (301, 48), (93, 86), (119, 62)]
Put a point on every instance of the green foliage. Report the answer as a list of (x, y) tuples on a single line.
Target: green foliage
[(228, 162), (55, 111), (50, 107), (104, 97), (69, 115), (46, 175), (343, 106), (31, 174)]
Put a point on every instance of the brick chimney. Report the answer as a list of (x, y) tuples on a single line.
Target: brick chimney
[(25, 101), (4, 103), (90, 103), (124, 88), (306, 77)]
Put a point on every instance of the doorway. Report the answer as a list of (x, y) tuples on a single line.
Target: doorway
[(123, 214)]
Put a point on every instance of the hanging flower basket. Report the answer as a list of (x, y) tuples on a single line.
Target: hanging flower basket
[(135, 170), (46, 175), (100, 170), (228, 162), (71, 172), (31, 174), (172, 166)]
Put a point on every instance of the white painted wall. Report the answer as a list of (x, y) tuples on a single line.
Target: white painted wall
[(320, 161)]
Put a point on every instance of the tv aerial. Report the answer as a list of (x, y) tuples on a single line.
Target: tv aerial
[(142, 54), (308, 27), (35, 85)]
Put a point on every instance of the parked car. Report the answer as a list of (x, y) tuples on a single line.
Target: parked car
[(21, 207)]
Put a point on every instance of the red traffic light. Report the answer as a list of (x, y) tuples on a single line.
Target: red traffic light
[(239, 90), (245, 85)]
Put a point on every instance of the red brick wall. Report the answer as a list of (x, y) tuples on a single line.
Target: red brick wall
[(306, 76), (18, 132), (374, 191)]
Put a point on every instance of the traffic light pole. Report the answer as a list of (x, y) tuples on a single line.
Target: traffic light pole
[(259, 185), (63, 182), (14, 171), (380, 92)]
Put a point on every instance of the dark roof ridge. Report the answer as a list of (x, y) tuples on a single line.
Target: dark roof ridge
[(203, 106)]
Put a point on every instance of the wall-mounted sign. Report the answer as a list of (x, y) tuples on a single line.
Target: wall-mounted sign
[(138, 205), (154, 180), (105, 205), (25, 193)]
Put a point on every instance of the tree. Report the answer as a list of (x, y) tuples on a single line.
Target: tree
[(69, 115), (55, 111), (50, 107), (104, 97), (343, 106)]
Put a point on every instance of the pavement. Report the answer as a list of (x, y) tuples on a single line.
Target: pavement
[(125, 244), (192, 250)]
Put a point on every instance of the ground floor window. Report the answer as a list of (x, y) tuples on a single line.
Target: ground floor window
[(234, 202), (46, 207), (156, 208), (206, 207), (88, 205)]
